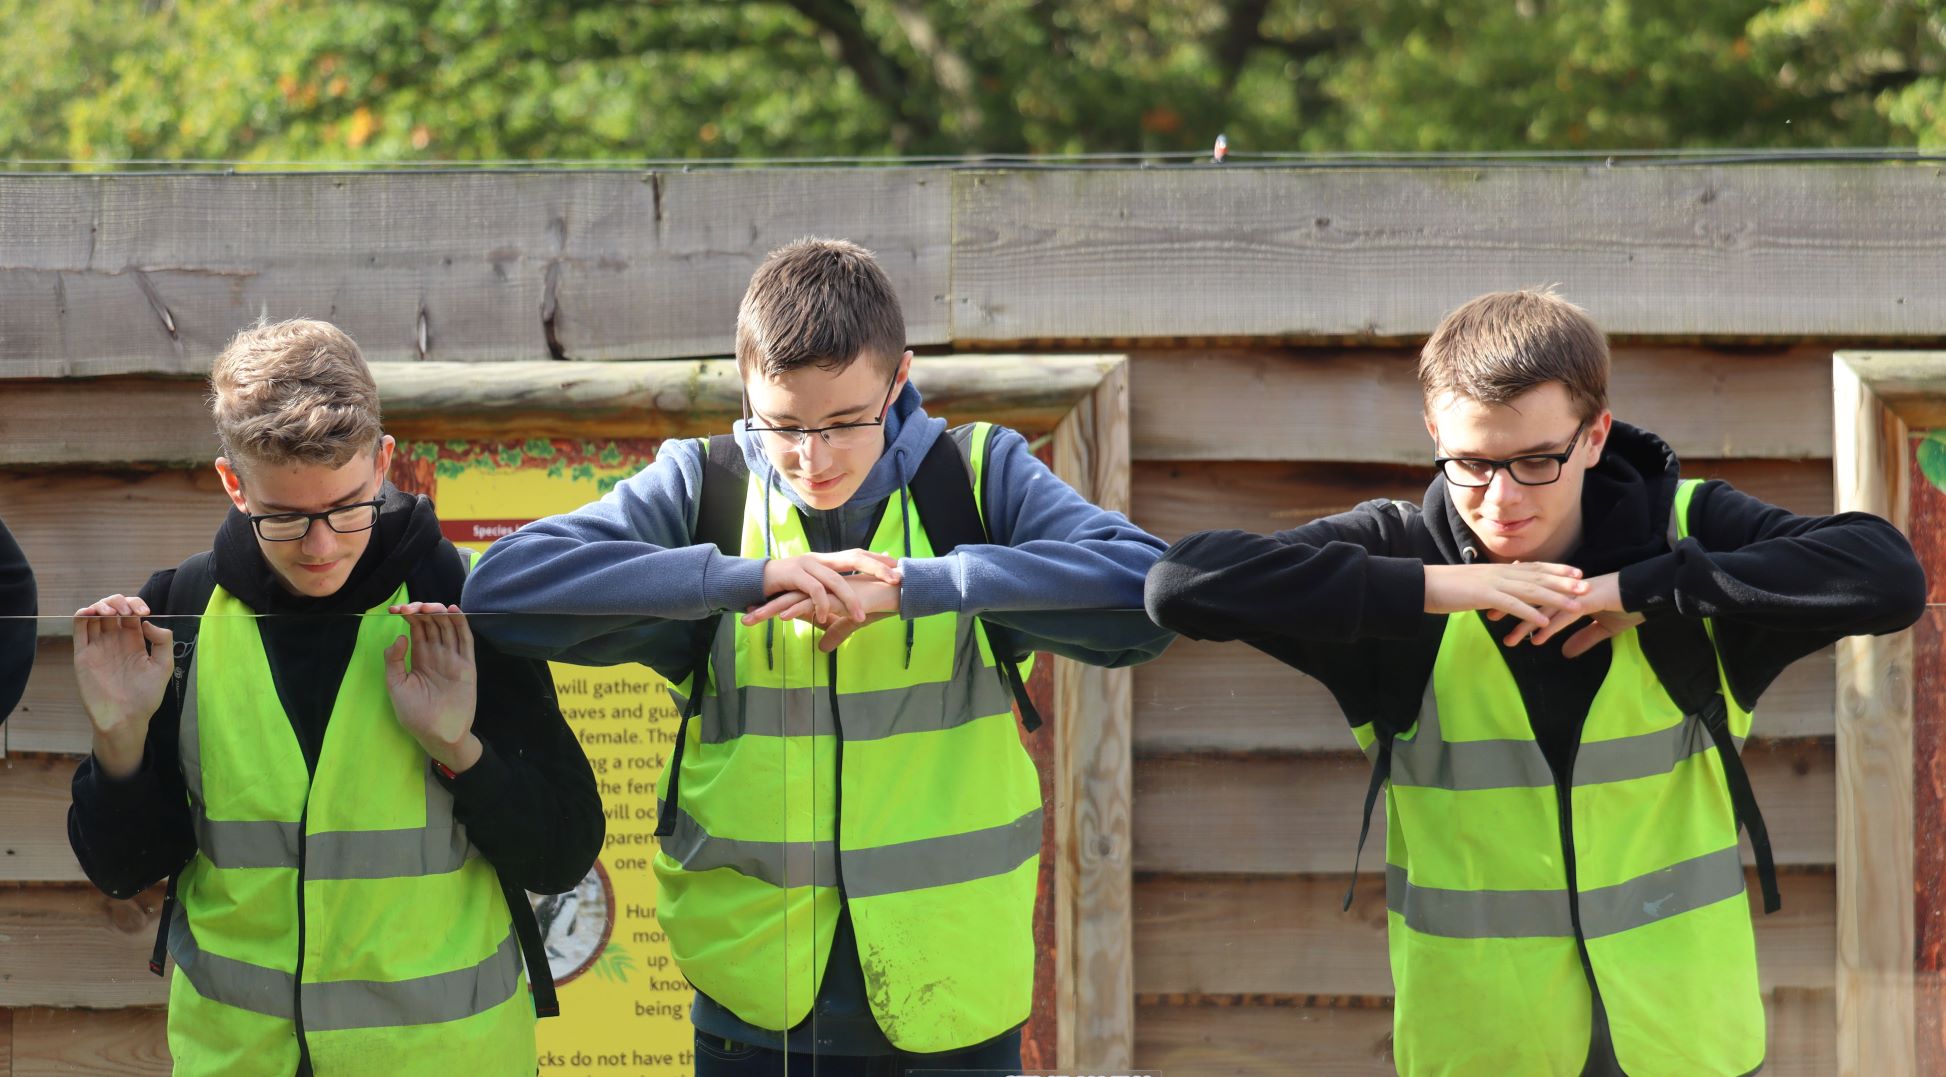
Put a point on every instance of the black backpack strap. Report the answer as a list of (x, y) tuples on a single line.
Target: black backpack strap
[(1384, 726), (182, 613), (942, 489), (719, 523)]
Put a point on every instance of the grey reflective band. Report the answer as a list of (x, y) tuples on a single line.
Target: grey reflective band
[(1426, 760), (976, 690), (779, 863), (959, 858), (869, 872), (1607, 910), (342, 1005), (439, 847)]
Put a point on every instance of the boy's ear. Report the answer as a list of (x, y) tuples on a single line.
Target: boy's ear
[(1597, 435), (905, 374), (383, 458), (232, 482)]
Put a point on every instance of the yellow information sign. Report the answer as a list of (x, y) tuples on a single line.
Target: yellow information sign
[(624, 1006)]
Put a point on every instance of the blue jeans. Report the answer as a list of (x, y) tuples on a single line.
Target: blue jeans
[(717, 1058)]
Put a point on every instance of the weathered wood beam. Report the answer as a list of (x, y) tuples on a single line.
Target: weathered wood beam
[(128, 421)]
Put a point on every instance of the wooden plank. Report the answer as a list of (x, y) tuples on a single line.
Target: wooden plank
[(89, 534), (1093, 795), (1229, 697), (91, 1043), (1177, 497), (75, 946), (1689, 250), (1275, 815), (1911, 383), (50, 717), (1363, 406), (34, 801), (153, 273), (51, 421), (6, 1043), (1263, 1041), (1874, 783), (1274, 1041), (1286, 935)]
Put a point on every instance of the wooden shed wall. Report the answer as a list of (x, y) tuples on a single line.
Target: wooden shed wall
[(1246, 788)]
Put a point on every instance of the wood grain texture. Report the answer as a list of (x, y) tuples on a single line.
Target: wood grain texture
[(152, 274), (75, 946), (1285, 935), (34, 802), (1910, 383), (1090, 452), (163, 422), (90, 534), (1666, 250), (1179, 1040), (1230, 697), (1277, 815), (91, 1043), (1364, 406), (1874, 780)]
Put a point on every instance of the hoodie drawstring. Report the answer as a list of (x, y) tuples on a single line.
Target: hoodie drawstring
[(905, 533)]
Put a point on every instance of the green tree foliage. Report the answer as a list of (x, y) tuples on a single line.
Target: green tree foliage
[(362, 80)]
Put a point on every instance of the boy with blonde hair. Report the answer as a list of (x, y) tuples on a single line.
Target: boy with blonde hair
[(297, 729), (1552, 664)]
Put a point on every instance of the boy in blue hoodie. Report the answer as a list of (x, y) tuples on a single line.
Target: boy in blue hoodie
[(840, 592)]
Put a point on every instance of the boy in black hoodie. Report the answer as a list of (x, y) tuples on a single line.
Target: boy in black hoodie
[(1552, 665), (347, 793)]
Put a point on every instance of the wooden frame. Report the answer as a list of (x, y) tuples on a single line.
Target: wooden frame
[(1878, 399), (1080, 401)]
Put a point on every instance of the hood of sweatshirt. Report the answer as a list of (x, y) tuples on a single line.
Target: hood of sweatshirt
[(406, 533), (909, 435), (1625, 503)]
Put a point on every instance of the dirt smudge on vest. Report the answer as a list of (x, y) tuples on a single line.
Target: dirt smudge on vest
[(891, 1011)]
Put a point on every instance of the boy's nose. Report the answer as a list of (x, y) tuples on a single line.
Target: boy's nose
[(1502, 488)]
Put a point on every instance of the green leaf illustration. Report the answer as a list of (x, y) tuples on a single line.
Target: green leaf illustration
[(584, 471), (539, 448), (611, 456), (614, 964), (511, 458), (1932, 458), (425, 450)]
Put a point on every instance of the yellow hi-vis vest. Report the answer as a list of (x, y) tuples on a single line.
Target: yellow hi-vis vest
[(894, 781), (1483, 920), (346, 907)]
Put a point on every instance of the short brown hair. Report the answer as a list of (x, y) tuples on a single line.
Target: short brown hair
[(822, 303), (296, 391), (1502, 344)]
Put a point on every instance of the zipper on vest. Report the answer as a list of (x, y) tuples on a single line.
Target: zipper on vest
[(838, 782), (1601, 1047), (297, 978)]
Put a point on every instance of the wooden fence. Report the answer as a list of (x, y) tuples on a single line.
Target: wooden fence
[(1269, 317)]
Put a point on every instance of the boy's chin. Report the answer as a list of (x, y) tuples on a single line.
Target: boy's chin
[(826, 499)]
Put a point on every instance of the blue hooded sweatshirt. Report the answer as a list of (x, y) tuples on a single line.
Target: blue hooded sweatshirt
[(619, 581)]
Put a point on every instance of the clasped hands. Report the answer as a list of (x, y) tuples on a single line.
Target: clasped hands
[(1544, 598), (839, 592)]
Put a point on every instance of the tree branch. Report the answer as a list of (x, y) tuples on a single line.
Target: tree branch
[(881, 76)]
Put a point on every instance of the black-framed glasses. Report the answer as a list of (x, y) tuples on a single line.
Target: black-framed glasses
[(837, 435), (292, 526), (1533, 469)]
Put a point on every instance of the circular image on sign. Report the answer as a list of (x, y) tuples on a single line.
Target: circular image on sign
[(575, 926)]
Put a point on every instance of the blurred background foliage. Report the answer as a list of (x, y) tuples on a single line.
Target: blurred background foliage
[(351, 81)]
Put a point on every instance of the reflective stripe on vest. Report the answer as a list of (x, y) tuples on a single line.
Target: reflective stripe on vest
[(408, 951), (1483, 913), (931, 824)]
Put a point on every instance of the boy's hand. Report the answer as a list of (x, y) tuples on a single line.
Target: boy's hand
[(434, 699), (1535, 592), (1602, 603), (820, 578), (881, 601), (122, 664)]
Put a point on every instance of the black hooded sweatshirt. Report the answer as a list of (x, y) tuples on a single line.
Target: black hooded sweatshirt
[(1343, 598), (18, 604), (529, 804)]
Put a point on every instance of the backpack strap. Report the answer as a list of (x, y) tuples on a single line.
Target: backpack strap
[(1382, 725), (1683, 653), (188, 596), (942, 488), (719, 523)]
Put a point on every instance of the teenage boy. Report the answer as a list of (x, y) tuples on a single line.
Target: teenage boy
[(840, 591), (1553, 661), (348, 800)]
